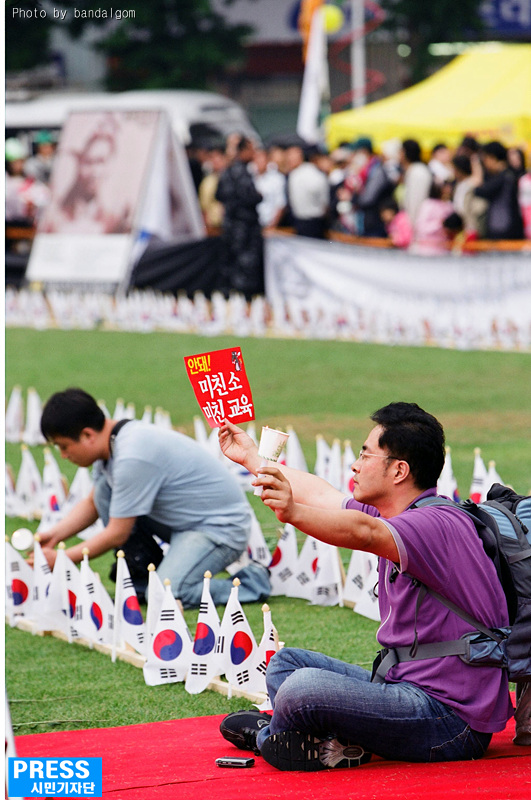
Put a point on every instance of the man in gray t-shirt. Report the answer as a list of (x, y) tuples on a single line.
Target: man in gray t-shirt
[(152, 482)]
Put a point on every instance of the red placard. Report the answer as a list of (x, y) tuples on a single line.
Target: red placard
[(221, 386)]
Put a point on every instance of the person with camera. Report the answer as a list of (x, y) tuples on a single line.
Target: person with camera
[(328, 713), (150, 482)]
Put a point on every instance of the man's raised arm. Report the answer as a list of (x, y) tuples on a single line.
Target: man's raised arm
[(237, 445)]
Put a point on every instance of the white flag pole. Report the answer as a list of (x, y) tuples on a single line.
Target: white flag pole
[(357, 53), (120, 555), (64, 591), (86, 598)]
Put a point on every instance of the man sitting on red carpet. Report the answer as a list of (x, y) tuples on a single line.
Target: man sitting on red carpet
[(328, 713)]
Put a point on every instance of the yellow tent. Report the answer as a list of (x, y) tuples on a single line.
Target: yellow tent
[(485, 92)]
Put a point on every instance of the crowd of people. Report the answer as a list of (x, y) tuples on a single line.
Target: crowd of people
[(428, 205), (27, 176), (425, 203)]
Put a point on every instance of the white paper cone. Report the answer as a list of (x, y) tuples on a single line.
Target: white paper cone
[(271, 445)]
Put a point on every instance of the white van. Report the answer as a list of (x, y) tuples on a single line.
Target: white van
[(196, 116)]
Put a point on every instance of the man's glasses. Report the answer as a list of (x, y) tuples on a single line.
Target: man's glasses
[(363, 455)]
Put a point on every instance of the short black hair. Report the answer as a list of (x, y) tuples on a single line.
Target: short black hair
[(495, 149), (243, 144), (67, 413), (470, 143), (453, 222), (415, 436), (389, 204), (435, 192), (462, 163), (411, 150)]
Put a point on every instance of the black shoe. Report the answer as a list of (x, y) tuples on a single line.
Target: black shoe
[(241, 728), (291, 750)]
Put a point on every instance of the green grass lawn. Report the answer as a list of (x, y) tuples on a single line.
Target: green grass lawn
[(482, 398)]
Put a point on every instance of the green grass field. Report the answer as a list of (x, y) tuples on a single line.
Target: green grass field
[(482, 398)]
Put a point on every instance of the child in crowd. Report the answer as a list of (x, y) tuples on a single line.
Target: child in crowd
[(456, 233), (397, 223), (429, 234)]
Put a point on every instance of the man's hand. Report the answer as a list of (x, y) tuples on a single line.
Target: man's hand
[(48, 538), (277, 494), (238, 446), (49, 553)]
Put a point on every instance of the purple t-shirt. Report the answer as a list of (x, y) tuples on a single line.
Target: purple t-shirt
[(439, 545)]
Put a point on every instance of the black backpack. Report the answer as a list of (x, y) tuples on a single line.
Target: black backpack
[(503, 523)]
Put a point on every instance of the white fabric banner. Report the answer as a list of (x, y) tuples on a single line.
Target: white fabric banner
[(324, 289), (315, 87), (85, 258)]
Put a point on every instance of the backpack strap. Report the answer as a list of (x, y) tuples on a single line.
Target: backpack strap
[(388, 658), (434, 500), (115, 431)]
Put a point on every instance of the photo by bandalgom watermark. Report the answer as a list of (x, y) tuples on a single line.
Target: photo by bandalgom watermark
[(61, 14), (54, 777)]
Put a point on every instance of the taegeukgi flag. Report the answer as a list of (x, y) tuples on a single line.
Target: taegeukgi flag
[(267, 648), (205, 662), (237, 644), (19, 585), (170, 648), (128, 620), (283, 564)]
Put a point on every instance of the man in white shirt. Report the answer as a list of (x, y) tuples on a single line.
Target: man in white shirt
[(271, 184), (308, 192)]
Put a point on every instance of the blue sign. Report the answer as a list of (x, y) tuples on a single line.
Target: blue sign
[(55, 777), (507, 16)]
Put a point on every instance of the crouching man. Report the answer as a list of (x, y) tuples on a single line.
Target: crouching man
[(152, 482)]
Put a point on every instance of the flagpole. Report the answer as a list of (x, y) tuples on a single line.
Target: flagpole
[(357, 53), (86, 552), (120, 555), (64, 593), (236, 584)]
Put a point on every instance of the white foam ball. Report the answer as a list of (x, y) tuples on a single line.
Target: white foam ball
[(22, 539)]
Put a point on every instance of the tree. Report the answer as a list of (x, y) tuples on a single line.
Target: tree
[(27, 32), (154, 44), (430, 22)]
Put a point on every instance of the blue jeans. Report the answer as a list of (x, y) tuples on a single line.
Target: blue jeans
[(189, 555), (311, 692)]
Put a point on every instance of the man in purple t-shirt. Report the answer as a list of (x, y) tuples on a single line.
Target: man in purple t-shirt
[(328, 713)]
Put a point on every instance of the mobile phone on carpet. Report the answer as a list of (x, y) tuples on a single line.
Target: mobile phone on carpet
[(230, 761)]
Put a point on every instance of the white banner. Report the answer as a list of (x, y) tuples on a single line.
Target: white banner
[(315, 82), (324, 289), (86, 259)]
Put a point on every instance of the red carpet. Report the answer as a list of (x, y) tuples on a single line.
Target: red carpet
[(175, 761)]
